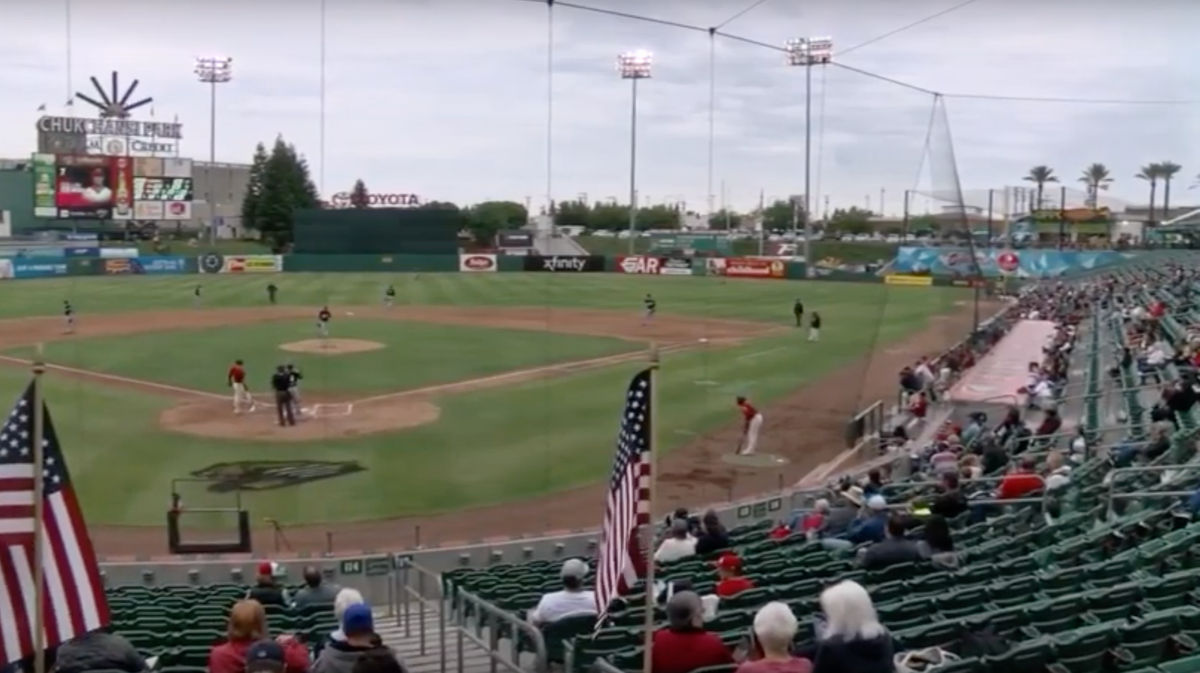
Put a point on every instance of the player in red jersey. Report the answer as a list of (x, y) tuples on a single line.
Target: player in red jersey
[(237, 380), (753, 423)]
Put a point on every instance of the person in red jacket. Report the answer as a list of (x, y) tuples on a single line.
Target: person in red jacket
[(1022, 482), (752, 423), (730, 581), (684, 645), (247, 625)]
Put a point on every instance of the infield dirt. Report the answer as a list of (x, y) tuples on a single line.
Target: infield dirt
[(807, 427)]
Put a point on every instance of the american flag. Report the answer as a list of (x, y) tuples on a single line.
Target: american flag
[(621, 561), (73, 600)]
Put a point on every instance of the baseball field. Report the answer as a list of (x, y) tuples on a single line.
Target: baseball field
[(479, 405)]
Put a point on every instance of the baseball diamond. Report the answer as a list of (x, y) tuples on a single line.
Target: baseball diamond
[(484, 405)]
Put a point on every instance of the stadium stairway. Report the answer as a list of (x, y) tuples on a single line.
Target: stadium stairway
[(408, 646)]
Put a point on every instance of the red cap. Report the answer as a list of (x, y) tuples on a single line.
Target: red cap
[(266, 568), (729, 561)]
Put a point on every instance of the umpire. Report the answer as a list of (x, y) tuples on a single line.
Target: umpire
[(281, 383), (798, 311)]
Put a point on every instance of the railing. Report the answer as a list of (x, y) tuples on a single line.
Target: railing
[(464, 599), (1113, 474), (406, 568)]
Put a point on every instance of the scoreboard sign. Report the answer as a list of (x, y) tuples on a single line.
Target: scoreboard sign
[(97, 187), (162, 189)]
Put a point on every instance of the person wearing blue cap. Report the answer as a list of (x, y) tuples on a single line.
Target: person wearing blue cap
[(358, 625), (265, 656)]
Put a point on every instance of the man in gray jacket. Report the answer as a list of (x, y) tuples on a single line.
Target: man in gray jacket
[(340, 656), (315, 592)]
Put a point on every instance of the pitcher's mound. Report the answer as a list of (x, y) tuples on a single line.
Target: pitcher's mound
[(322, 420), (331, 346)]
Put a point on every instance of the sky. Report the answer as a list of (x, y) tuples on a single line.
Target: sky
[(450, 99)]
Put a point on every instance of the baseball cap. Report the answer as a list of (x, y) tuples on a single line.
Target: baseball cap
[(729, 562), (877, 503), (264, 655), (575, 568), (357, 620), (267, 568)]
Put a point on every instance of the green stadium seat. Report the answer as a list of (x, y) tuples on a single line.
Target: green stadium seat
[(1084, 650), (1186, 665), (1027, 657)]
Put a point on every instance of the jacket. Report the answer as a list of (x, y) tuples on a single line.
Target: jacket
[(268, 594), (890, 552), (949, 504), (870, 529), (339, 657), (711, 542), (836, 655), (319, 595), (98, 651), (230, 656), (685, 650)]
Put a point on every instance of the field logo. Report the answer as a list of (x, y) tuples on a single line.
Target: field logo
[(211, 262), (266, 475), (641, 265), (476, 263), (1008, 261)]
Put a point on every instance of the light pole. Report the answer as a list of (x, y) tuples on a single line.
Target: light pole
[(807, 52), (633, 65), (213, 70)]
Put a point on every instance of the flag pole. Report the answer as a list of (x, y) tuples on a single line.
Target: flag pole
[(39, 521), (648, 626)]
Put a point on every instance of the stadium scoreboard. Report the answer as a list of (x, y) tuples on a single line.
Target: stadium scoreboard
[(70, 186)]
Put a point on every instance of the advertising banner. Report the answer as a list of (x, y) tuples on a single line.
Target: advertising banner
[(477, 263), (714, 266), (899, 279), (675, 266), (252, 264), (43, 186), (6, 269), (118, 253), (753, 267), (84, 266), (640, 264), (515, 239), (81, 252), (28, 268), (148, 265), (564, 263)]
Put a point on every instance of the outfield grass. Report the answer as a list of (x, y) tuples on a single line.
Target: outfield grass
[(416, 354), (488, 446), (856, 252)]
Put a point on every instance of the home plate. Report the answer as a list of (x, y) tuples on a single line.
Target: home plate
[(754, 460)]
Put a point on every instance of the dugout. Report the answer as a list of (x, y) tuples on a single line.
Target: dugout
[(355, 231)]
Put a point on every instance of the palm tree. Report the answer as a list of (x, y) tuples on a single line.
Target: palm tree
[(1040, 175), (1096, 177), (1150, 173), (1167, 171)]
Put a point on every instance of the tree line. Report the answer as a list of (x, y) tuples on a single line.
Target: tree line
[(1097, 178)]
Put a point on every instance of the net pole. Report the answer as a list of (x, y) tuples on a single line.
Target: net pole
[(648, 621), (39, 518)]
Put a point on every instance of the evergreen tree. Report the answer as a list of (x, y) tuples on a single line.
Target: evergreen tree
[(258, 167), (286, 188), (359, 197)]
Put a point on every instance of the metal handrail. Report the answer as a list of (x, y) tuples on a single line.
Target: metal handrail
[(406, 567), (1114, 473), (462, 598)]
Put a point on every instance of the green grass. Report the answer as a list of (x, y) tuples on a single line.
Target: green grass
[(416, 354), (849, 252), (489, 446)]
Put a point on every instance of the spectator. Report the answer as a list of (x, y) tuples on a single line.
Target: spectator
[(781, 531), (1021, 482), (970, 467), (812, 522), (377, 661), (714, 536), (96, 651), (730, 581), (853, 640), (314, 591), (950, 502), (841, 517), (678, 545), (247, 625), (938, 545), (359, 626), (974, 428), (893, 549), (944, 461), (918, 406), (874, 485), (266, 656), (1050, 425), (869, 527), (774, 628), (345, 598), (265, 590), (909, 382), (684, 645), (572, 600), (1057, 471)]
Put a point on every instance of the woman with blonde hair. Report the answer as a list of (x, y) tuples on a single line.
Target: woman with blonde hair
[(774, 628), (852, 640), (247, 625)]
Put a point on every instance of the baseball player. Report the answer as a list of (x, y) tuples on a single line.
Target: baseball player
[(294, 377), (753, 423), (69, 316), (650, 306), (389, 295), (798, 311), (271, 290), (323, 317), (196, 296), (236, 378), (814, 327)]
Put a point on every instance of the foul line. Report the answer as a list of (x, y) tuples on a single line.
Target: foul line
[(120, 379), (750, 356)]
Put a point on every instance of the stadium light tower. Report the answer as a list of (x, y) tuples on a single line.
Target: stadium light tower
[(633, 65), (213, 70), (807, 52)]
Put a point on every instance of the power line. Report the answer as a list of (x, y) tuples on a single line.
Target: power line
[(884, 78), (1060, 99), (905, 27), (747, 40), (739, 15)]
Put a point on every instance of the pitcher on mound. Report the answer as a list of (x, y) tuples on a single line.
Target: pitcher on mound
[(753, 423), (236, 378), (323, 317)]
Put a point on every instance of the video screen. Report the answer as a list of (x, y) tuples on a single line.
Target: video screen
[(85, 184), (162, 189)]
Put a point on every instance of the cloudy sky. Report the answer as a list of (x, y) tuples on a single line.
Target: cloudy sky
[(448, 98)]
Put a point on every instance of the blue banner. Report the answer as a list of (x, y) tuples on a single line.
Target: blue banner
[(82, 252), (140, 265), (994, 262), (28, 268)]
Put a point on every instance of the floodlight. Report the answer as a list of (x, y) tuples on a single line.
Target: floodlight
[(635, 64)]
